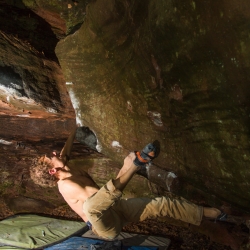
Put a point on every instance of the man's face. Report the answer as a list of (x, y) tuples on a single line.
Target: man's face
[(56, 163)]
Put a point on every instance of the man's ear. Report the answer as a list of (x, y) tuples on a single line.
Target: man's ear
[(52, 171)]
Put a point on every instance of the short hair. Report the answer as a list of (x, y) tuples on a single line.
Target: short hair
[(39, 173)]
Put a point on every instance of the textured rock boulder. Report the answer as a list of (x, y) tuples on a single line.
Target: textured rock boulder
[(137, 71), (34, 102), (175, 72)]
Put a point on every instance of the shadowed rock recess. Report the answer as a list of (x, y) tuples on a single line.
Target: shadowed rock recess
[(133, 72)]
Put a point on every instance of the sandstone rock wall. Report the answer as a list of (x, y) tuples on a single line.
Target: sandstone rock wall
[(173, 72), (138, 71)]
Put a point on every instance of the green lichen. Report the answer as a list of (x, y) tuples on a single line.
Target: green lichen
[(5, 185)]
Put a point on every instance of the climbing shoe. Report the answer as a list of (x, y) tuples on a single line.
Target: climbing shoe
[(145, 156), (221, 217)]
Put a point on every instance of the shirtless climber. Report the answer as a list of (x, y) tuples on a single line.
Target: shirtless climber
[(103, 209)]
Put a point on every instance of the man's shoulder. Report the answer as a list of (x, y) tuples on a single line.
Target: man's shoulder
[(73, 182), (66, 184), (68, 190)]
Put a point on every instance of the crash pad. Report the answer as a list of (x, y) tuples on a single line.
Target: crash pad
[(95, 244), (29, 231), (133, 241), (75, 243)]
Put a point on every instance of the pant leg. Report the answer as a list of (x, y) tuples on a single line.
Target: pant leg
[(99, 211), (139, 209)]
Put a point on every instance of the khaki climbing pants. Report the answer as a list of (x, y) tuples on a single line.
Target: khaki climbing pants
[(108, 213)]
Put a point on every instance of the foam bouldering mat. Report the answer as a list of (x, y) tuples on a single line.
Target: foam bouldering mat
[(9, 248), (140, 248), (29, 231), (95, 244), (75, 243), (131, 241)]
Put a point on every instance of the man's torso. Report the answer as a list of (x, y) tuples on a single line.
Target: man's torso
[(84, 188)]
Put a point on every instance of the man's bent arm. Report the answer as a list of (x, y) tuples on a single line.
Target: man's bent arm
[(68, 145)]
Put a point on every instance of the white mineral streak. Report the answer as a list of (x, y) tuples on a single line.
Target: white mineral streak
[(155, 118), (98, 146), (169, 179), (23, 115), (5, 142), (51, 110), (116, 144), (172, 175), (76, 106), (10, 92), (15, 86)]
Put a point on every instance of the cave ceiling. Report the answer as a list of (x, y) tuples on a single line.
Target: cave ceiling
[(135, 71)]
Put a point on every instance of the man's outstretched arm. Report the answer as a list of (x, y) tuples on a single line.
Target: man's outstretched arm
[(68, 145)]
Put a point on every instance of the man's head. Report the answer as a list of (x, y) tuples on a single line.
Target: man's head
[(39, 172), (45, 171)]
